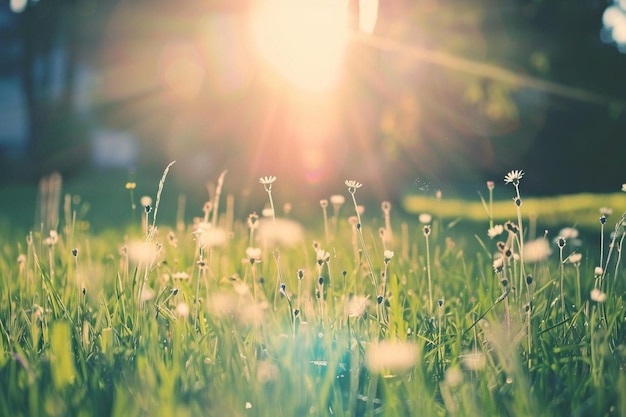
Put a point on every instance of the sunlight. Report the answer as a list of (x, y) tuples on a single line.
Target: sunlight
[(304, 40)]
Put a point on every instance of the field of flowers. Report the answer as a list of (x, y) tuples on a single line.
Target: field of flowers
[(354, 313)]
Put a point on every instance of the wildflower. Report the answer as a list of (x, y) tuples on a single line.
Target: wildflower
[(453, 377), (253, 221), (385, 207), (425, 218), (597, 295), (253, 255), (388, 255), (569, 233), (322, 256), (356, 305), (624, 188), (427, 230), (598, 271), (182, 309), (145, 200), (267, 180), (536, 250), (142, 252), (498, 264), (180, 275), (561, 241), (172, 239), (605, 211), (491, 185), (575, 259), (602, 219), (337, 200), (248, 405), (511, 227), (75, 252), (208, 236), (473, 361), (513, 177), (147, 294), (394, 356), (494, 231), (283, 232), (353, 185), (324, 203), (52, 239)]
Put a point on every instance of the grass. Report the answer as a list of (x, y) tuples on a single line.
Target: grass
[(353, 315)]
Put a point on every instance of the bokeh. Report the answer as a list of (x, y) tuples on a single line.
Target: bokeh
[(391, 93)]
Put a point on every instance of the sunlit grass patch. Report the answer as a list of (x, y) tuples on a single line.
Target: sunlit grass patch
[(355, 312), (581, 210)]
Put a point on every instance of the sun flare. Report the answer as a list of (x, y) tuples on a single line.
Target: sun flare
[(303, 40)]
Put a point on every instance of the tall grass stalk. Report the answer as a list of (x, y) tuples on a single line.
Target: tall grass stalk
[(352, 187)]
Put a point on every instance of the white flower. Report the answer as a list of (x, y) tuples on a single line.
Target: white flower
[(142, 252), (597, 295), (605, 211), (575, 258), (283, 232), (145, 200), (210, 237), (147, 294), (569, 233), (268, 180), (536, 250), (182, 309), (180, 275), (52, 239), (513, 177), (356, 306), (473, 361), (425, 218), (498, 263), (253, 254), (494, 231), (598, 271), (337, 199), (393, 356), (388, 255), (624, 188), (267, 212), (322, 256), (353, 185), (453, 376), (248, 405)]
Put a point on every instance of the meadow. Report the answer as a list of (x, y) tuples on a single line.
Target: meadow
[(355, 312)]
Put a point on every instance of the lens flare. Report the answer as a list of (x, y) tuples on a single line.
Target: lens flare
[(304, 40)]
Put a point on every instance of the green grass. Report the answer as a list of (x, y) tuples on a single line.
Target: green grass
[(79, 335)]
